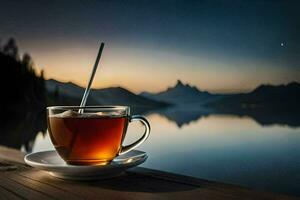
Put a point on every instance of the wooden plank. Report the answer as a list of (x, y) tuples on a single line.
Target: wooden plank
[(21, 190), (55, 192), (13, 155), (212, 185), (18, 181), (134, 184), (89, 190), (7, 194)]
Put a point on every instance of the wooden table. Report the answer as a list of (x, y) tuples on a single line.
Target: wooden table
[(18, 181)]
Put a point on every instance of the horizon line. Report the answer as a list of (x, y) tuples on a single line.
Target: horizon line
[(217, 91)]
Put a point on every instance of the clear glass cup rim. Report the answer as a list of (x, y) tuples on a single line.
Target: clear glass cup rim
[(91, 108), (122, 110)]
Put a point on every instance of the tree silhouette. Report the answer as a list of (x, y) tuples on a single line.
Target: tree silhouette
[(11, 49), (24, 89), (27, 61), (24, 98)]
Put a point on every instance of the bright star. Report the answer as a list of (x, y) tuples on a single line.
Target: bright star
[(282, 44)]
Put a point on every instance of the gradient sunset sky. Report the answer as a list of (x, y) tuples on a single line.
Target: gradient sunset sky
[(219, 46)]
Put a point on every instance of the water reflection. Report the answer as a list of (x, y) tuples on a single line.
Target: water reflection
[(229, 148), (20, 130), (183, 115)]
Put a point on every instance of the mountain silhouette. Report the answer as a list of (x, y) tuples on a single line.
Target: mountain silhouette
[(182, 94), (265, 97), (71, 94), (267, 104)]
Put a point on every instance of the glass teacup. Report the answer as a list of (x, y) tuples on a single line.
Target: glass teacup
[(94, 136)]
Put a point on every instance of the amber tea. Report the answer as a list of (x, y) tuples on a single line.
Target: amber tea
[(90, 138)]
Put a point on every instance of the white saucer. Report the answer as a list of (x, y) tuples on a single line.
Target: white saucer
[(51, 162)]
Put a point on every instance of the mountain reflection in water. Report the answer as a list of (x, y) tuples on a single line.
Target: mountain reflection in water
[(18, 131), (183, 115)]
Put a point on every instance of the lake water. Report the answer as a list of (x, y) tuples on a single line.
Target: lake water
[(223, 148)]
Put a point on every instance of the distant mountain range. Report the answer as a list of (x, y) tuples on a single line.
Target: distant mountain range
[(265, 97), (182, 94), (267, 104), (71, 94), (183, 103)]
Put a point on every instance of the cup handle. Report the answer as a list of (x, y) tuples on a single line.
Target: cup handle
[(146, 134)]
